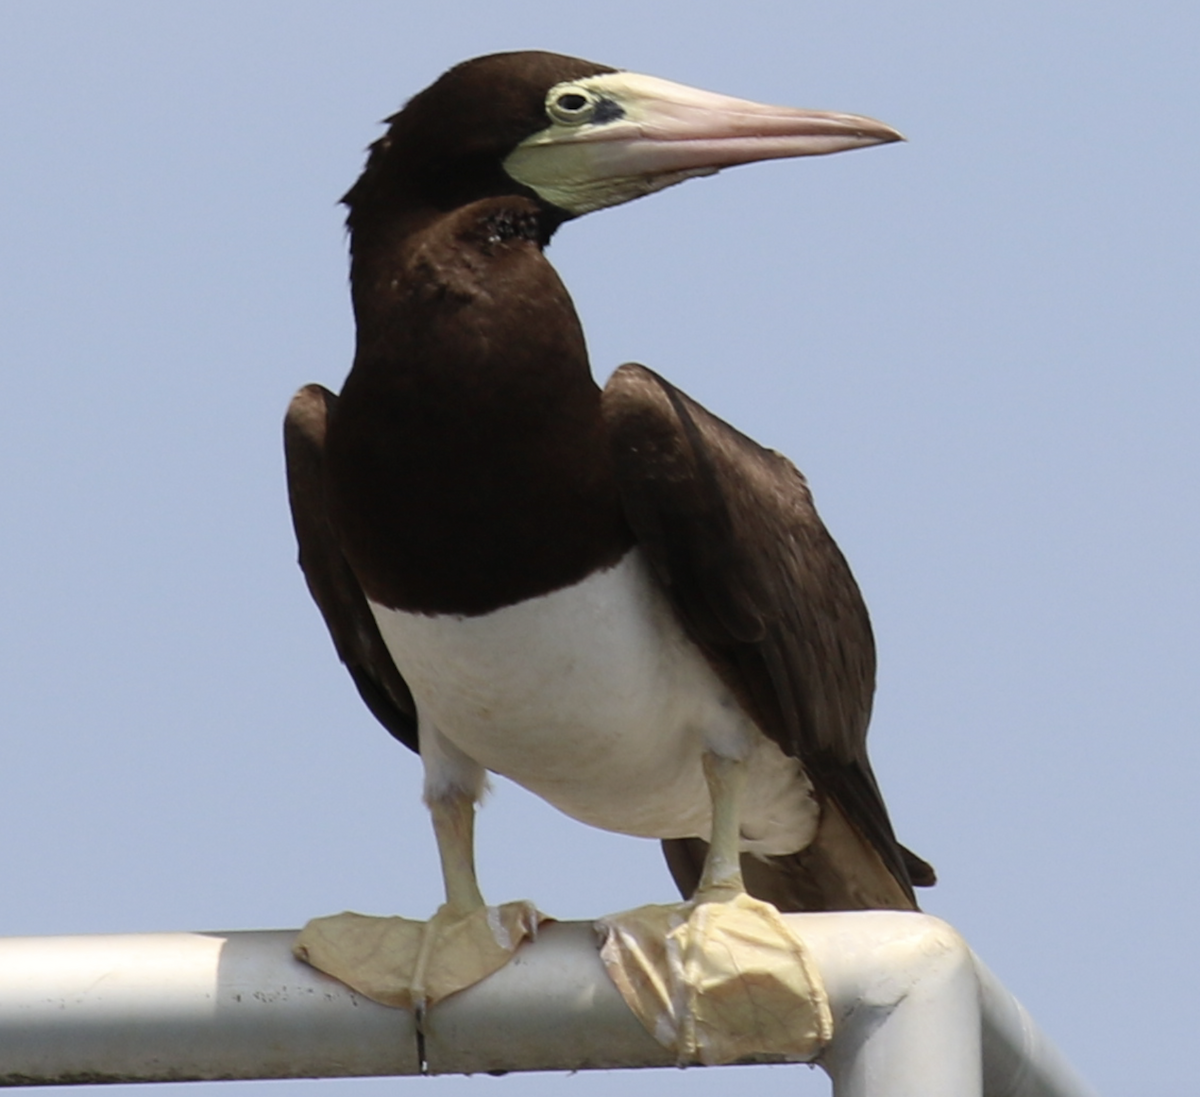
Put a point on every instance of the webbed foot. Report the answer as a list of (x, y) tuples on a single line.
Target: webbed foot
[(718, 979), (411, 964)]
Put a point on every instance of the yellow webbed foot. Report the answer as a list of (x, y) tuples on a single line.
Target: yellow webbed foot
[(410, 964), (718, 981)]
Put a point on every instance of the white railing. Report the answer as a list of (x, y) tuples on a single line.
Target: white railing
[(915, 1014)]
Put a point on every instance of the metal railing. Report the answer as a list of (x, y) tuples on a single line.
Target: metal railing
[(915, 1014)]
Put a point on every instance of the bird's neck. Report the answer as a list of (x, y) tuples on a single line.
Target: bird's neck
[(468, 459)]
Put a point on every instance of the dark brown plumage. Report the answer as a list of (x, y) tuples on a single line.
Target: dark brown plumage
[(762, 588), (471, 463), (480, 322)]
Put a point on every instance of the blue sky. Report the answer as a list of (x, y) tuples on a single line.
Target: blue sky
[(981, 346)]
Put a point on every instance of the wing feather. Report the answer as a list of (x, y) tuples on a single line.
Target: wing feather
[(730, 530), (330, 580)]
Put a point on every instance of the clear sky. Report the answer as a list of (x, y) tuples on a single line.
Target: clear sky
[(982, 347)]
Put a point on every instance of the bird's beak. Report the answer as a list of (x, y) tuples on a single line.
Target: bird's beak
[(615, 137)]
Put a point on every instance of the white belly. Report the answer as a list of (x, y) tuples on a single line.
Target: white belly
[(594, 699)]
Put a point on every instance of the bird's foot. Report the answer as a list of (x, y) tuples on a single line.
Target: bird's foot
[(718, 979), (410, 964)]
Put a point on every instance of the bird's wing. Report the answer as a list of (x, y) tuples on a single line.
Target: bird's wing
[(330, 581), (731, 534)]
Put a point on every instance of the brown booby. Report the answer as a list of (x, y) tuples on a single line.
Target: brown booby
[(609, 596)]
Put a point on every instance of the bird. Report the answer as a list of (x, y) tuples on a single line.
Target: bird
[(606, 594)]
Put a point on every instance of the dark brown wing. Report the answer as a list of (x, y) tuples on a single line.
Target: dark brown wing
[(330, 580), (731, 533)]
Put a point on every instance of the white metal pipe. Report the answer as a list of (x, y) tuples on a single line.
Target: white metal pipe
[(909, 1005), (160, 1007), (1018, 1060), (906, 1006), (552, 1007)]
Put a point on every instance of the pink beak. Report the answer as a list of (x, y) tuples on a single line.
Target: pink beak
[(658, 133)]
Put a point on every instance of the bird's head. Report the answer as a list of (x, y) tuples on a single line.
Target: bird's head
[(578, 136)]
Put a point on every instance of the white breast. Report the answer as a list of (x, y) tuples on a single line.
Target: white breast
[(593, 698)]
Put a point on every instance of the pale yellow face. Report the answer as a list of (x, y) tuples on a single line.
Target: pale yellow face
[(617, 136), (570, 162)]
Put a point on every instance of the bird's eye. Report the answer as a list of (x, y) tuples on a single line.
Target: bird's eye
[(571, 106)]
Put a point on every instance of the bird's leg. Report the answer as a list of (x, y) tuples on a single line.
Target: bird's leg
[(465, 940), (723, 976), (453, 814), (411, 964), (722, 875), (454, 828)]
